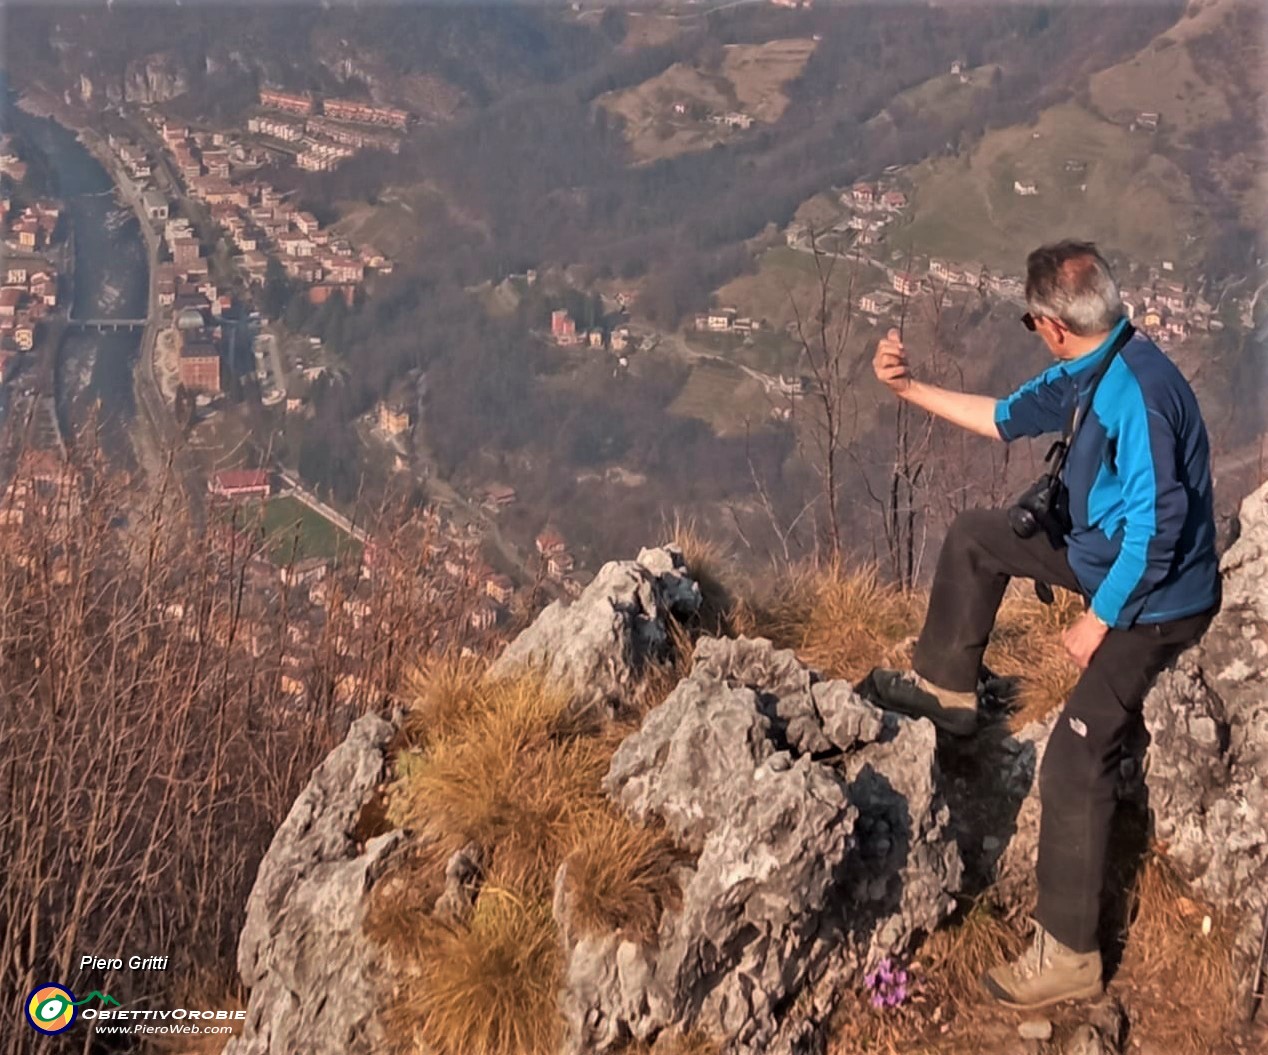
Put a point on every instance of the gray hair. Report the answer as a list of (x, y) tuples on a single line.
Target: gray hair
[(1072, 282)]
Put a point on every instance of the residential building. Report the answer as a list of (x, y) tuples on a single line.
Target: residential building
[(863, 194), (286, 131), (498, 495), (721, 319), (291, 102), (559, 564), (350, 110), (550, 542), (155, 205), (185, 251), (216, 162), (200, 366), (394, 418), (905, 283), (240, 483), (873, 303), (563, 328), (500, 588), (1026, 188), (485, 614)]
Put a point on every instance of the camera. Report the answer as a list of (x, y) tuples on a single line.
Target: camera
[(1043, 507)]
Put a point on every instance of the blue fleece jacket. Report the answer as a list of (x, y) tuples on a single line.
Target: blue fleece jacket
[(1139, 477)]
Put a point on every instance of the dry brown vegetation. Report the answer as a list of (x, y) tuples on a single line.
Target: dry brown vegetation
[(1026, 648), (1177, 960), (620, 875), (841, 621), (501, 764), (844, 621), (149, 755), (149, 750), (509, 769), (486, 988)]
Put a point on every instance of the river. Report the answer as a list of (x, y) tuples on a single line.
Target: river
[(110, 280)]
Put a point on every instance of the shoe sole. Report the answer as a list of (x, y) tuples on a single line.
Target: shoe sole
[(1090, 992)]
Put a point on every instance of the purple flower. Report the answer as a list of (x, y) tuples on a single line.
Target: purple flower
[(888, 984)]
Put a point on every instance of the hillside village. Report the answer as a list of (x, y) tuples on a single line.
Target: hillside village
[(33, 258), (1165, 305)]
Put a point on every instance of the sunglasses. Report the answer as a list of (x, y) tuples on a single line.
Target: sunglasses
[(1028, 320)]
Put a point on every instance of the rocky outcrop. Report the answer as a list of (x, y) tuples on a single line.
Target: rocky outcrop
[(313, 974), (822, 847), (824, 835), (597, 646), (1207, 765), (153, 79)]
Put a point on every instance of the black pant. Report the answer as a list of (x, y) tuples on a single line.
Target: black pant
[(1080, 766)]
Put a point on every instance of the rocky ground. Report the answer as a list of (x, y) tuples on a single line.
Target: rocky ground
[(822, 838)]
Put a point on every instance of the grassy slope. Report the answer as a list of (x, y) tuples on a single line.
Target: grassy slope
[(751, 78), (966, 209)]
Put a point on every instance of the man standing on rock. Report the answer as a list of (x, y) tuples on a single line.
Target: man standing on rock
[(1132, 530)]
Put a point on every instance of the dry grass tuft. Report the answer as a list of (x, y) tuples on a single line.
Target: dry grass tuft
[(1173, 964), (621, 875), (841, 621), (441, 695), (708, 562), (1026, 645), (507, 771), (956, 956), (490, 988), (398, 916)]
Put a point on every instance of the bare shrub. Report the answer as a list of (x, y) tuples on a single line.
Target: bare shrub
[(150, 740)]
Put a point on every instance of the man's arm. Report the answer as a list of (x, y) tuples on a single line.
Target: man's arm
[(975, 413), (968, 411)]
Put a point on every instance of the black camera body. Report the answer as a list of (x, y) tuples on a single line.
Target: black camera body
[(1044, 506)]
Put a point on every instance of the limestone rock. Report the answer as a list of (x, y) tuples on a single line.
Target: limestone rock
[(464, 874), (597, 645), (822, 847), (313, 974), (1207, 765)]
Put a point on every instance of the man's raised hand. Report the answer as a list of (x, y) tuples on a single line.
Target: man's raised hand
[(890, 363)]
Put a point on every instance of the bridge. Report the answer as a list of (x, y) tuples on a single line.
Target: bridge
[(108, 324)]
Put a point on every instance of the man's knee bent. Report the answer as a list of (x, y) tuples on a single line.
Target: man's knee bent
[(971, 527)]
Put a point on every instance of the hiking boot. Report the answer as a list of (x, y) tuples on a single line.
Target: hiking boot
[(1046, 973), (909, 693)]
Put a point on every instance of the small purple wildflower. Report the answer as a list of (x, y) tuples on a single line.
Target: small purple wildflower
[(888, 984)]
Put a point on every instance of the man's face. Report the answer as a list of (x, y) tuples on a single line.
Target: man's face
[(1051, 331)]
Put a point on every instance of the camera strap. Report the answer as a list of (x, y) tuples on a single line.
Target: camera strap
[(1061, 449)]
